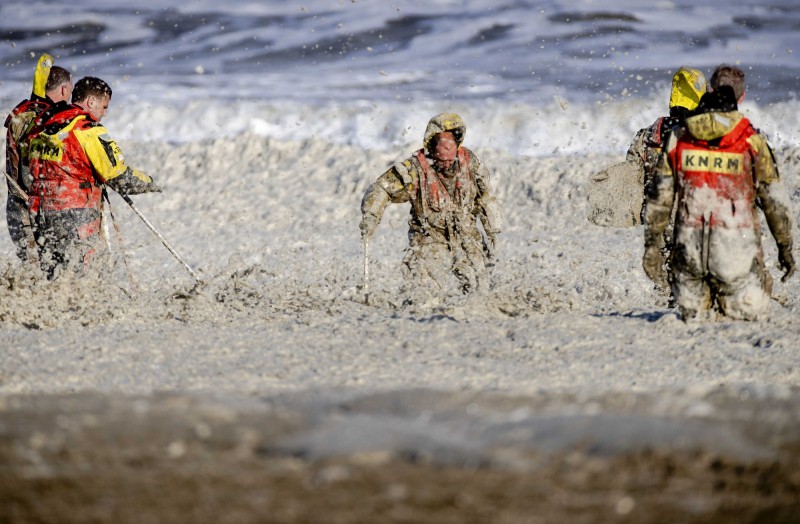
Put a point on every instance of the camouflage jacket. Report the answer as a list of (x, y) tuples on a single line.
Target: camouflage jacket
[(444, 206)]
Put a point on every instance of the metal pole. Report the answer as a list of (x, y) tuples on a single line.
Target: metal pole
[(366, 271), (169, 247), (120, 243)]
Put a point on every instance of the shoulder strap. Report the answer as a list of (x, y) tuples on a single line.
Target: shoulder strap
[(464, 158), (424, 172)]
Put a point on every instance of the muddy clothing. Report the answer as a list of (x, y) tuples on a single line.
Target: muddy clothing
[(688, 87), (72, 158), (720, 169), (446, 210), (17, 125), (649, 142), (69, 239), (646, 150)]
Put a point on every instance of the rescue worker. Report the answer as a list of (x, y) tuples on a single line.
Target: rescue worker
[(453, 220), (51, 84), (72, 160), (688, 86), (719, 169)]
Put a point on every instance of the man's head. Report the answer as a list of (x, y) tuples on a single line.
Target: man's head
[(444, 149), (728, 75), (59, 84), (688, 86), (93, 95), (443, 136)]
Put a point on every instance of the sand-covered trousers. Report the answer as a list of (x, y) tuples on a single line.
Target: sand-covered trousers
[(20, 226), (68, 239), (726, 264), (429, 263)]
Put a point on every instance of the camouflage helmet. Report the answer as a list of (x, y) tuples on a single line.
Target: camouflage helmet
[(442, 123), (688, 86)]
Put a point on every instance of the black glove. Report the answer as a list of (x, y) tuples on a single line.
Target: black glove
[(787, 262), (133, 183)]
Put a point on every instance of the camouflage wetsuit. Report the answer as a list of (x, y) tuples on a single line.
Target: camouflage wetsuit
[(649, 142), (446, 210), (688, 86), (19, 222)]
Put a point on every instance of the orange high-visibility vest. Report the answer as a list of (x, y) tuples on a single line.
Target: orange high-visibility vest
[(715, 180)]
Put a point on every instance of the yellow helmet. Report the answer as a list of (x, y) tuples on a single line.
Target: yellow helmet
[(688, 86)]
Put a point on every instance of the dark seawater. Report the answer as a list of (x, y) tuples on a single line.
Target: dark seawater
[(509, 50)]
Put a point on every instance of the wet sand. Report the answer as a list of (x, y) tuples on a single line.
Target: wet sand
[(728, 455)]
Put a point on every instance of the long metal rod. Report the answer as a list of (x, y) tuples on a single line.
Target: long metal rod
[(366, 271), (120, 243), (155, 231)]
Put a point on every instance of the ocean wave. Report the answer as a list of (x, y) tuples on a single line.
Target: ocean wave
[(561, 127), (525, 51)]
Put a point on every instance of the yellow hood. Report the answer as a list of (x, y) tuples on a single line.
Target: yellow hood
[(445, 122), (709, 126)]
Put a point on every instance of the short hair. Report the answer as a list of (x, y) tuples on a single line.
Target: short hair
[(89, 86), (728, 75), (58, 76)]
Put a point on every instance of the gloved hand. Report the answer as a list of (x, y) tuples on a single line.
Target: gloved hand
[(653, 265), (133, 182), (786, 260), (151, 187), (367, 226)]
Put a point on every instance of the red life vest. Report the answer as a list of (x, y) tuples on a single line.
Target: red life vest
[(63, 177), (715, 181), (432, 192)]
